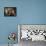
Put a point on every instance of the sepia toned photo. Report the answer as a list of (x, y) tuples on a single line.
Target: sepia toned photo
[(10, 11)]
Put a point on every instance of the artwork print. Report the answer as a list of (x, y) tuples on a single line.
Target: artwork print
[(9, 11)]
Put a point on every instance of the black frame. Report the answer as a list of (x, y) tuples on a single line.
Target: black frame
[(15, 10)]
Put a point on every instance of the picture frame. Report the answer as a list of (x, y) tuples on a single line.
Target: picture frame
[(10, 11)]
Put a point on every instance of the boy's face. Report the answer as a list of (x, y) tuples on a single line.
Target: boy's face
[(11, 12)]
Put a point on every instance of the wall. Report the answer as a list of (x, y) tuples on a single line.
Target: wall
[(28, 12)]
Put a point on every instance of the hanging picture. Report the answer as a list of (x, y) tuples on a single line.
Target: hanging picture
[(9, 11)]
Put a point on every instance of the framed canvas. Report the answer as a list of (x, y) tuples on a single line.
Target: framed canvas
[(9, 11)]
